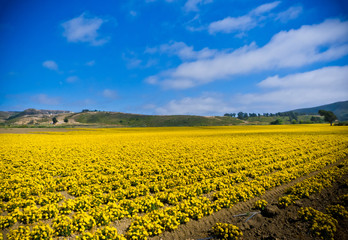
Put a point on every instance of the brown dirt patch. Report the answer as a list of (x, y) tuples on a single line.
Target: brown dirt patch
[(284, 225)]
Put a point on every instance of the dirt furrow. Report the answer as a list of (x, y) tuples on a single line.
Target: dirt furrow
[(200, 229)]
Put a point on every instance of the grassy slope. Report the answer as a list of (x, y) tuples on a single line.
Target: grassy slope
[(340, 109), (135, 120), (267, 120)]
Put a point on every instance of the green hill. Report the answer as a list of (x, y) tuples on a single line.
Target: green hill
[(43, 118), (340, 109), (138, 120)]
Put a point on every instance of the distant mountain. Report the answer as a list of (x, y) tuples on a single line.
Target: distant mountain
[(340, 109)]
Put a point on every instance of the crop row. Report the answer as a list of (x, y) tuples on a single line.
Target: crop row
[(157, 221), (312, 185), (160, 178)]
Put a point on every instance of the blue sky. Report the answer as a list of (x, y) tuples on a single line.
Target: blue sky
[(199, 57)]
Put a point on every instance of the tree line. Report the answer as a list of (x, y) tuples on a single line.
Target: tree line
[(329, 116), (244, 115)]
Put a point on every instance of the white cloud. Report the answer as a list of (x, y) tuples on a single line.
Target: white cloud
[(84, 29), (264, 8), (308, 89), (242, 23), (231, 24), (90, 63), (183, 51), (108, 93), (192, 5), (72, 79), (288, 49), (289, 14), (132, 60), (46, 100), (204, 105), (52, 65)]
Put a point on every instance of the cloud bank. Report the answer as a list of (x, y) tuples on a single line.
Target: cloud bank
[(307, 89), (309, 44), (246, 22), (184, 52)]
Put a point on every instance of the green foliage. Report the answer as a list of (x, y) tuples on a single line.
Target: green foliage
[(277, 122), (328, 116), (135, 120), (54, 120)]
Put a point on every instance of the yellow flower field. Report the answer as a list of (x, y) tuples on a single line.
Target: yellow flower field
[(79, 183)]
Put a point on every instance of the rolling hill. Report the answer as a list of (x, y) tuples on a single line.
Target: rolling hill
[(41, 118), (340, 109)]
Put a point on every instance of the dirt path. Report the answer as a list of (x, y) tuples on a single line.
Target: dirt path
[(285, 225)]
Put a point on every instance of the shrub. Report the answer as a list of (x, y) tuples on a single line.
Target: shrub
[(277, 122)]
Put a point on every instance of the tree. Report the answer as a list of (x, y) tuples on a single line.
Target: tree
[(293, 116), (316, 119), (240, 115), (66, 120), (328, 116), (277, 122), (54, 120)]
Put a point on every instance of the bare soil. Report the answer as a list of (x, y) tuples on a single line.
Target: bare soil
[(284, 224)]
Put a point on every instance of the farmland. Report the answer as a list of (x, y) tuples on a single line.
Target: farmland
[(138, 183)]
